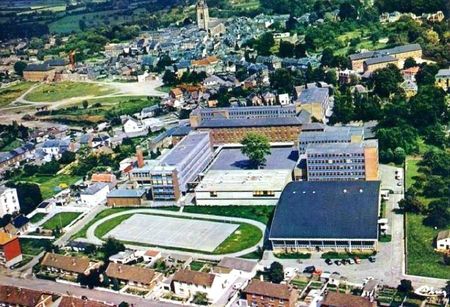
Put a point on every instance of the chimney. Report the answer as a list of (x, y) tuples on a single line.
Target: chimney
[(140, 156)]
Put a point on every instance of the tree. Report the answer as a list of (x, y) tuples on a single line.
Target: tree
[(409, 62), (386, 80), (264, 44), (405, 286), (286, 49), (169, 78), (29, 195), (347, 11), (428, 107), (163, 62), (411, 204), (327, 57), (85, 104), (67, 157), (111, 247), (438, 213), (200, 298), (276, 272), (19, 67), (426, 74), (300, 51), (446, 260), (282, 80), (256, 147), (343, 110)]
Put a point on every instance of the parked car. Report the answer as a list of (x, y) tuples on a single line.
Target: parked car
[(357, 260), (350, 261), (399, 184), (372, 259), (328, 261), (338, 262), (309, 269)]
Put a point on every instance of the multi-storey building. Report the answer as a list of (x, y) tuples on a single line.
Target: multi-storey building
[(10, 252), (9, 201), (316, 101), (181, 166), (342, 161), (261, 293)]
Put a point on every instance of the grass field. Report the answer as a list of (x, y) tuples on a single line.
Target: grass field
[(11, 93), (61, 220), (37, 217), (422, 260), (58, 91), (33, 246), (243, 237), (261, 214), (13, 145), (412, 166), (49, 184)]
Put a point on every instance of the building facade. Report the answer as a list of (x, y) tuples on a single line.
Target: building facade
[(261, 293), (10, 251), (9, 201)]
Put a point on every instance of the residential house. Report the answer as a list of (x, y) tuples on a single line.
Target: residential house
[(54, 148), (100, 140), (10, 251), (409, 87), (67, 265), (13, 157), (70, 301), (123, 257), (132, 275), (133, 126), (443, 240), (149, 111), (95, 194), (151, 256), (336, 299), (237, 267), (186, 283), (110, 179), (260, 293), (9, 201), (443, 79), (21, 223), (370, 289), (15, 296)]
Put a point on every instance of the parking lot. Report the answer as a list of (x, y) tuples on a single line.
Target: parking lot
[(173, 232)]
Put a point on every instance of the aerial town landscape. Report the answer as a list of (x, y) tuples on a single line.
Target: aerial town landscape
[(225, 153)]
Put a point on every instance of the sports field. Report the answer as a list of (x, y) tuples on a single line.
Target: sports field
[(174, 232)]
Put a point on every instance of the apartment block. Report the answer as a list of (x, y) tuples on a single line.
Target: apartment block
[(9, 201), (10, 251)]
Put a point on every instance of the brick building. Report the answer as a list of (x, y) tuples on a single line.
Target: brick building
[(38, 72), (10, 251), (261, 294)]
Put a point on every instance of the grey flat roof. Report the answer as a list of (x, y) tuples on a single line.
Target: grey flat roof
[(250, 122), (238, 264), (94, 188), (126, 193), (313, 95), (184, 148), (383, 59), (327, 210), (234, 159)]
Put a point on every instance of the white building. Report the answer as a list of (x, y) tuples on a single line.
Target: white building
[(123, 257), (443, 240), (237, 267), (95, 194), (187, 283), (133, 126), (284, 99), (154, 124), (242, 187), (9, 202)]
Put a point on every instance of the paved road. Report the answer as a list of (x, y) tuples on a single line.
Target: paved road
[(65, 289), (93, 239)]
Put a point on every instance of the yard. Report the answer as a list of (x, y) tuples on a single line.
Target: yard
[(50, 185), (261, 214), (412, 166), (37, 217), (33, 247), (61, 220), (13, 145), (63, 90), (11, 93), (422, 260)]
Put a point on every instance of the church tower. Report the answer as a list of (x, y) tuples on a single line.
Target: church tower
[(202, 15)]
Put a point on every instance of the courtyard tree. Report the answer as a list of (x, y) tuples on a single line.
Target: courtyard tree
[(200, 298), (256, 147), (19, 67), (276, 272), (111, 247)]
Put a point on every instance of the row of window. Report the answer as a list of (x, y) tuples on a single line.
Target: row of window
[(319, 174), (332, 155), (335, 167), (311, 160)]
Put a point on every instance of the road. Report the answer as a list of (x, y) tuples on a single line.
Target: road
[(93, 239), (65, 289)]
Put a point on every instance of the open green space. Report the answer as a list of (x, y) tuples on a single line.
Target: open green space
[(422, 260), (261, 214), (243, 237), (52, 92), (11, 93), (50, 185), (13, 145), (412, 167), (196, 265), (61, 220), (33, 247), (37, 217)]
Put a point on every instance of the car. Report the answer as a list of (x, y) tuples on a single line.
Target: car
[(338, 262), (372, 259), (237, 286), (328, 261), (357, 260), (309, 269), (351, 261), (399, 184)]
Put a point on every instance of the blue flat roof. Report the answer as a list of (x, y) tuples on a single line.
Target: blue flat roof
[(234, 159)]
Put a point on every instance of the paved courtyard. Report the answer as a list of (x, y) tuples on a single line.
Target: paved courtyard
[(173, 232)]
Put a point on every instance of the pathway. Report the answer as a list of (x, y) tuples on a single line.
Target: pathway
[(90, 234)]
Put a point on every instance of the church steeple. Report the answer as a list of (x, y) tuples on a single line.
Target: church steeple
[(202, 15)]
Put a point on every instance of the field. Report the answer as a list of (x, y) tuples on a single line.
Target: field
[(412, 166), (11, 93), (13, 145), (222, 237), (33, 246), (58, 91), (422, 260), (261, 214), (49, 185), (37, 217), (61, 220)]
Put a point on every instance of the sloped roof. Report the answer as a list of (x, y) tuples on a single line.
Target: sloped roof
[(263, 288), (346, 300), (12, 295), (131, 273), (66, 263), (193, 277)]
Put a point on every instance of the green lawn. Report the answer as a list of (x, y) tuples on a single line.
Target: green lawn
[(412, 166), (37, 217), (243, 237), (262, 214), (57, 91), (293, 255), (33, 246), (196, 265), (13, 145), (61, 220), (422, 260), (49, 185), (11, 93)]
